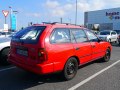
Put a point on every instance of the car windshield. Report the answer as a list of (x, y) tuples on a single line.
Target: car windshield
[(105, 33), (29, 34)]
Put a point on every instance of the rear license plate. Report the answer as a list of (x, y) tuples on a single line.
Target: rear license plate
[(22, 52)]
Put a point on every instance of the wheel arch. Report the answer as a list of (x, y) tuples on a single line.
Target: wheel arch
[(76, 59)]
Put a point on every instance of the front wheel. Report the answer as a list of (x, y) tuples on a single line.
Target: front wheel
[(70, 69), (107, 55)]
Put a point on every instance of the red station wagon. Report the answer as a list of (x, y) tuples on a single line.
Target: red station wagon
[(48, 48)]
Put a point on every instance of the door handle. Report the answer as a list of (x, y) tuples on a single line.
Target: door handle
[(77, 48)]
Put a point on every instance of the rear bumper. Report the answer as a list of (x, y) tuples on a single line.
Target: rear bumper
[(37, 68)]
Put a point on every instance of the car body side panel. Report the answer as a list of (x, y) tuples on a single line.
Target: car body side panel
[(98, 49)]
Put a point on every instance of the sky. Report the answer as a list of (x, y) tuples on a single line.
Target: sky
[(38, 11)]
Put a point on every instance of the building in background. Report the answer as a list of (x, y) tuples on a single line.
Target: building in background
[(107, 19)]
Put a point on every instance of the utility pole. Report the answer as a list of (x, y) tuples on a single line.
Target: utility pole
[(76, 14), (61, 21)]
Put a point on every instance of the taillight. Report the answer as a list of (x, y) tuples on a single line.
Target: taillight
[(42, 55)]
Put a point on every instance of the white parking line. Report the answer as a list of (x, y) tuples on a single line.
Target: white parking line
[(93, 76), (7, 69)]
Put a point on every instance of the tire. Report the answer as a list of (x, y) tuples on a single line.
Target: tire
[(4, 56), (107, 55), (70, 69)]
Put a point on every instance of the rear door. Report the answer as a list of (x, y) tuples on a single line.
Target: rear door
[(82, 47)]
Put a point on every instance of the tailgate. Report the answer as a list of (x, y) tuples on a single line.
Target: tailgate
[(27, 54)]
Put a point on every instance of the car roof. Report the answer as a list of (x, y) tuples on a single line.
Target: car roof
[(60, 25)]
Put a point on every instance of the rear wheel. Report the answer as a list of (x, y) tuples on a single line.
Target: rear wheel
[(70, 69), (107, 55), (4, 56)]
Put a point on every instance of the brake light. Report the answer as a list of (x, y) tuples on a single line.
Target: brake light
[(42, 55)]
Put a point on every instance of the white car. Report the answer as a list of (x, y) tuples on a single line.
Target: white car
[(4, 49), (108, 35)]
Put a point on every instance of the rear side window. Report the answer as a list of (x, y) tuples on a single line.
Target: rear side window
[(29, 34), (79, 35), (60, 35)]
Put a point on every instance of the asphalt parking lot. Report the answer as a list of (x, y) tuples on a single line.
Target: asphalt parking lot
[(93, 76)]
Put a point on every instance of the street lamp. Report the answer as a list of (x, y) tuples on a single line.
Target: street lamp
[(76, 14), (10, 18)]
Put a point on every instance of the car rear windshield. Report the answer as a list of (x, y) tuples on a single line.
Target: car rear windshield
[(29, 34), (105, 33)]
